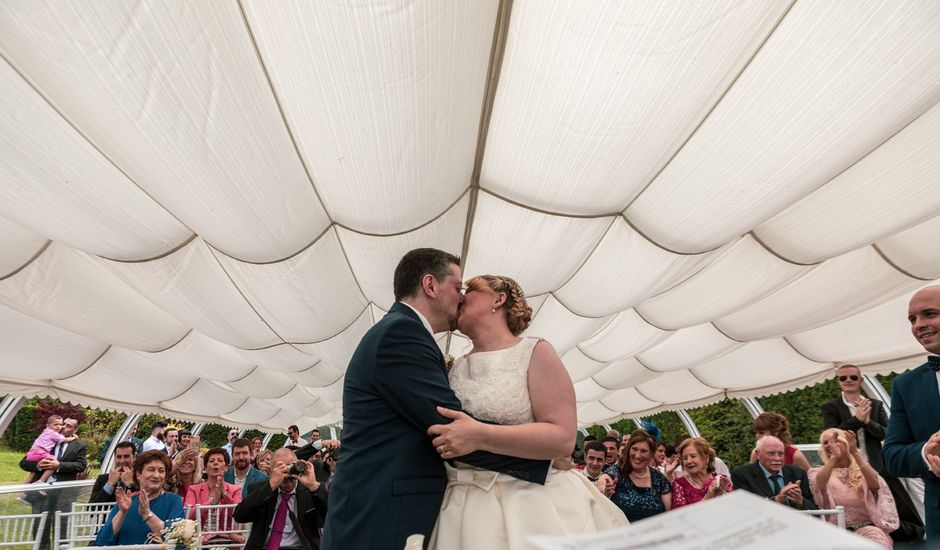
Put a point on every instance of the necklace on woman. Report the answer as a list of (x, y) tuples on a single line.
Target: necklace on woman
[(638, 476)]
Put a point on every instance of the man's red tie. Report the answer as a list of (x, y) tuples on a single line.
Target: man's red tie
[(280, 520)]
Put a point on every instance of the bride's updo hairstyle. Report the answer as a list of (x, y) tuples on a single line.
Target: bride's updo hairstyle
[(518, 312)]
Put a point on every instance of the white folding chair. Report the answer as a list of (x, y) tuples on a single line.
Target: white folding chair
[(81, 525), (22, 529), (838, 512), (215, 520)]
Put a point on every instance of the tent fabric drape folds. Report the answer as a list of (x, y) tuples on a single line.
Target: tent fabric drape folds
[(202, 203)]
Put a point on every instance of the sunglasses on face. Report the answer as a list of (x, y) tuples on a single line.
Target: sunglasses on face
[(852, 377)]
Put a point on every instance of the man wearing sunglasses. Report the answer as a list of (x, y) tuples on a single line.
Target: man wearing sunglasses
[(852, 411)]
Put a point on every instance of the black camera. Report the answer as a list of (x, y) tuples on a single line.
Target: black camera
[(297, 468)]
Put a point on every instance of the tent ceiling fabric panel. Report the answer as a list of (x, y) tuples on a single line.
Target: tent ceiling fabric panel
[(173, 94), (576, 62), (341, 68), (807, 107), (202, 204)]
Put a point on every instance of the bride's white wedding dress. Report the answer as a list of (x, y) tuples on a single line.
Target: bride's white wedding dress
[(487, 510)]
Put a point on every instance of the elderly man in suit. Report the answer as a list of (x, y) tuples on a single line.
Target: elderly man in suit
[(287, 511), (912, 444), (391, 483), (769, 477)]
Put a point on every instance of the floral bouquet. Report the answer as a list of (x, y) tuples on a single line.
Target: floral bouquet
[(181, 532)]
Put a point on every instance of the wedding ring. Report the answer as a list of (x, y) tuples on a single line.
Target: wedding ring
[(440, 449)]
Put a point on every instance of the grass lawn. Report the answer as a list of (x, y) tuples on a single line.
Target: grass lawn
[(11, 474)]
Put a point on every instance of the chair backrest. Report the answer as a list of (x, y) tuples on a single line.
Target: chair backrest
[(92, 507), (215, 520), (838, 512), (22, 529), (83, 525)]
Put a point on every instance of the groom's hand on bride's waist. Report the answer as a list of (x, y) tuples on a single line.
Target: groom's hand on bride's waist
[(463, 435)]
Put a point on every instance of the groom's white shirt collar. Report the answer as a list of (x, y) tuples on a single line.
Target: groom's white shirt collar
[(424, 320)]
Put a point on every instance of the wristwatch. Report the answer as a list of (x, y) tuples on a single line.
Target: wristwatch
[(148, 516)]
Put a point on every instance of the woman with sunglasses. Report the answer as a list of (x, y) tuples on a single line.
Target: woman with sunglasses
[(778, 426)]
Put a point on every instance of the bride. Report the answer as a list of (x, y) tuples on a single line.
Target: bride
[(521, 385)]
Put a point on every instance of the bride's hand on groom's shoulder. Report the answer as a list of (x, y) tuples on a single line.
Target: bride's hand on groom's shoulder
[(461, 436)]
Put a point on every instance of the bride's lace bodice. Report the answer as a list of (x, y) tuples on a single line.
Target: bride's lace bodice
[(493, 385)]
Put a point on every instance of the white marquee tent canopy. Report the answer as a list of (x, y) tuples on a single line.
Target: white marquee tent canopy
[(202, 203)]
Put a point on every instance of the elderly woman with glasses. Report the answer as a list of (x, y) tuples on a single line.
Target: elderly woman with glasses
[(139, 518)]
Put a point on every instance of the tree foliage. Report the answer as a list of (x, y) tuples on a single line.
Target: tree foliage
[(726, 426)]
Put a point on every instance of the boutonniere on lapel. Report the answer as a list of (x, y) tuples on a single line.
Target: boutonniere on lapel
[(448, 361)]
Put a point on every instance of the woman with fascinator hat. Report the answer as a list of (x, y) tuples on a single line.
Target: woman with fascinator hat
[(521, 386)]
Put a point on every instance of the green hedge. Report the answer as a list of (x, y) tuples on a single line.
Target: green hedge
[(21, 433), (726, 426)]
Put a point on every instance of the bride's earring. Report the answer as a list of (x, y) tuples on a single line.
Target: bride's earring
[(493, 310)]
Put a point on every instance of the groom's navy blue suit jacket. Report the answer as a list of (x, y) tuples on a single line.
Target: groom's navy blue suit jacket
[(390, 480), (915, 416)]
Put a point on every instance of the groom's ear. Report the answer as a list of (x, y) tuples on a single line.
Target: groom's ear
[(429, 285)]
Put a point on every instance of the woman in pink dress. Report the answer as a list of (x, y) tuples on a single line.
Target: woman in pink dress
[(699, 480), (846, 479)]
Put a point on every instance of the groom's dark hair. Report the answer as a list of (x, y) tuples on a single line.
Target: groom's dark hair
[(415, 264)]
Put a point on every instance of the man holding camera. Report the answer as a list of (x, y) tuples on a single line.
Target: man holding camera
[(287, 511)]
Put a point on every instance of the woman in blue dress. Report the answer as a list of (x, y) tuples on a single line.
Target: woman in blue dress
[(641, 490), (135, 518)]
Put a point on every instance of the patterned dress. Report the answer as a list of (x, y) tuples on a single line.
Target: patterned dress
[(639, 502), (869, 515), (684, 493)]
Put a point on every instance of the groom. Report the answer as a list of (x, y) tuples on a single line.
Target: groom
[(912, 443), (391, 482)]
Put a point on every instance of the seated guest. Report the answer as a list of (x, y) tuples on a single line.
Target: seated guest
[(595, 458), (778, 426), (659, 456), (640, 490), (255, 447), (121, 474), (673, 466), (769, 477), (847, 479), (242, 473), (266, 507), (263, 461), (215, 491), (136, 518), (868, 419), (699, 480), (186, 437), (613, 451), (187, 471)]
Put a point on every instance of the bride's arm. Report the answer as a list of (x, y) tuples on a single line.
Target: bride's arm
[(552, 435)]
